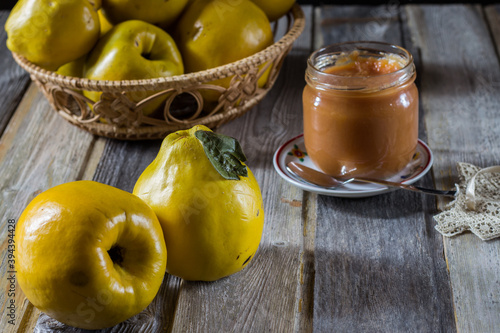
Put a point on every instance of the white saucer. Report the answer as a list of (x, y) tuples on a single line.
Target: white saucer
[(294, 150)]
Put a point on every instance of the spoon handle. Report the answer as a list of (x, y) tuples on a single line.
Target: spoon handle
[(448, 193), (321, 179)]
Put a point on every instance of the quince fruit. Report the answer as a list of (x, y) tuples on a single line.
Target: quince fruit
[(51, 33), (105, 24), (208, 203), (73, 69), (134, 50), (96, 4), (276, 8), (89, 255), (213, 33), (159, 12)]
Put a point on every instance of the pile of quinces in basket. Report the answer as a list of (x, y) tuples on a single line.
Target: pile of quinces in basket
[(140, 39)]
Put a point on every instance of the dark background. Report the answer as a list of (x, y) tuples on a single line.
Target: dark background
[(7, 4)]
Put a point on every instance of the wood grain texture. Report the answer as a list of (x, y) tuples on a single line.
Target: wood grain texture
[(460, 100), (38, 150), (493, 19), (379, 263), (305, 311), (13, 80), (350, 23)]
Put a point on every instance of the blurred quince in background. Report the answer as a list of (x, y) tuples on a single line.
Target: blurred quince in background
[(276, 8), (51, 33), (159, 12), (212, 33)]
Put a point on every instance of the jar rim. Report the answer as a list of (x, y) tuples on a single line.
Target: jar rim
[(395, 47), (316, 74)]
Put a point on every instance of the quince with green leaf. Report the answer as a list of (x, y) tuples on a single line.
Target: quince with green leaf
[(208, 202)]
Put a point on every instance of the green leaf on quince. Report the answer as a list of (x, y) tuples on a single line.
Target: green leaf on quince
[(224, 153)]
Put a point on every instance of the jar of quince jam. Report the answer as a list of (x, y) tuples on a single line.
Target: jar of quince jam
[(361, 109)]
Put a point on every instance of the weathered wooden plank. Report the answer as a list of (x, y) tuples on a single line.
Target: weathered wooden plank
[(305, 307), (38, 150), (460, 80), (379, 264), (94, 158), (122, 163), (493, 16), (13, 80), (350, 23)]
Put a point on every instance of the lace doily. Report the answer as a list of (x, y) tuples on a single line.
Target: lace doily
[(477, 206)]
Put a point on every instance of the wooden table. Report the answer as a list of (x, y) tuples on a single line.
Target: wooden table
[(325, 264)]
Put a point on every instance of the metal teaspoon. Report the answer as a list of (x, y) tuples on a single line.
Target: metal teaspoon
[(324, 180)]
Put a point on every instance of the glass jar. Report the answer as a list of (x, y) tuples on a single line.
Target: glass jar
[(360, 109)]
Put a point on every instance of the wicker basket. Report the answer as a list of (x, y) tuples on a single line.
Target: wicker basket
[(115, 115)]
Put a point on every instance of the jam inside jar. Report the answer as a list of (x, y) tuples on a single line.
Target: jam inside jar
[(360, 109)]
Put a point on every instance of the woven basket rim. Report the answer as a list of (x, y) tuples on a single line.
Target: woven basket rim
[(211, 74), (145, 133)]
